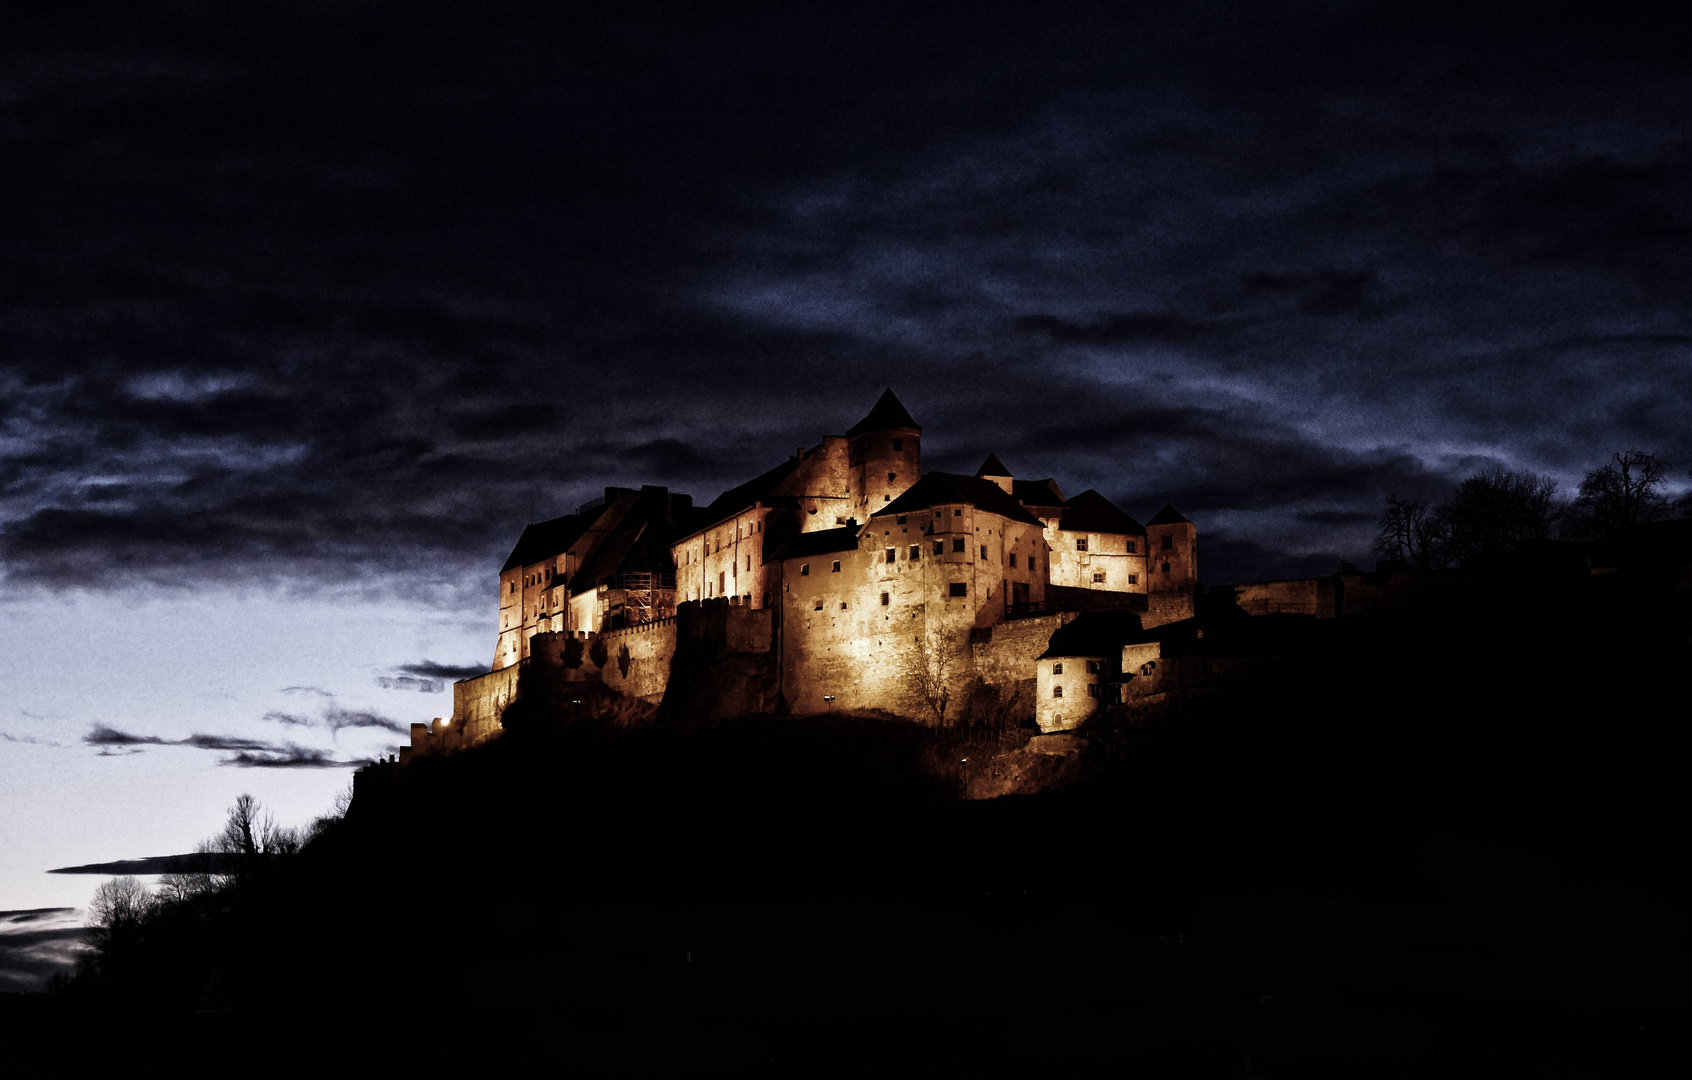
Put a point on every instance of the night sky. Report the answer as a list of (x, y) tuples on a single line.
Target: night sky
[(305, 308)]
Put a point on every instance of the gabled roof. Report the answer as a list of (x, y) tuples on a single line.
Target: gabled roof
[(1168, 516), (545, 539), (938, 488), (992, 467), (1096, 633), (887, 414), (822, 542), (1092, 512), (736, 499), (640, 542), (1037, 492)]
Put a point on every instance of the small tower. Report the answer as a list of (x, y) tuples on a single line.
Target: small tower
[(884, 456), (993, 469), (1171, 565)]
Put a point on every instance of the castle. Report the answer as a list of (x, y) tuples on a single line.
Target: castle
[(843, 579)]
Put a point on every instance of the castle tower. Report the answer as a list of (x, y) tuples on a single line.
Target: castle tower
[(884, 456), (1171, 566), (993, 469)]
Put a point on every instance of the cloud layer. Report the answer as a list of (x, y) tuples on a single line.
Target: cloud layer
[(323, 299)]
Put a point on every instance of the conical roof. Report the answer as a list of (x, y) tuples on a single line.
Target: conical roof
[(993, 467), (1169, 516), (888, 414)]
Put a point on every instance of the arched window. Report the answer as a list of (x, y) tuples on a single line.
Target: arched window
[(1057, 691)]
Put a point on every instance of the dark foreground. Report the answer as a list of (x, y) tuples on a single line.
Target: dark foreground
[(1412, 846)]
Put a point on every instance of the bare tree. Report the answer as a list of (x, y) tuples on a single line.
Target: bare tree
[(119, 906), (251, 833), (931, 667), (1413, 532), (1494, 513), (1627, 491)]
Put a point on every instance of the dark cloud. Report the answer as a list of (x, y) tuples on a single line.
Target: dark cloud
[(428, 669), (317, 690), (251, 753), (407, 682), (327, 300), (37, 944), (338, 719), (291, 719), (290, 757)]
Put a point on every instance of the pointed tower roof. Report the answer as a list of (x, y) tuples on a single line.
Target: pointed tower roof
[(993, 467), (1169, 516), (888, 413)]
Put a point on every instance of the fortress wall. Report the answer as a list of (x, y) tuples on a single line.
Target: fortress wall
[(1167, 607), (1004, 654), (478, 703), (638, 659)]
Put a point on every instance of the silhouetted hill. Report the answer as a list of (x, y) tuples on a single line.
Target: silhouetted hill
[(1443, 847)]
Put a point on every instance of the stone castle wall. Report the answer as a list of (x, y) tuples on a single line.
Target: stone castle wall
[(478, 703), (637, 659)]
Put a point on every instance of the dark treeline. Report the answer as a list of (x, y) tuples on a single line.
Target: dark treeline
[(1413, 845), (1494, 514)]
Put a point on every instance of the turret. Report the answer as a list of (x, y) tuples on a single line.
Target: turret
[(884, 456)]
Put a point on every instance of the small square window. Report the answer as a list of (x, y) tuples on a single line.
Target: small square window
[(1081, 543), (1057, 669), (1057, 691), (1098, 579), (804, 569), (958, 512), (958, 588), (1133, 579), (842, 605), (884, 599), (1168, 541), (891, 552), (887, 498), (836, 569), (819, 604), (892, 477), (958, 543)]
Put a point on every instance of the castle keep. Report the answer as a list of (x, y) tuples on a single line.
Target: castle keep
[(845, 578)]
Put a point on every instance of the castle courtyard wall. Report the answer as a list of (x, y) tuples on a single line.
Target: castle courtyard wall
[(478, 703)]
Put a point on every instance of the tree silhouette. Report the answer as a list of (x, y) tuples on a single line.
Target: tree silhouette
[(1492, 514), (1414, 533), (1626, 491)]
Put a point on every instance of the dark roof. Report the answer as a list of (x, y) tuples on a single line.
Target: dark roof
[(888, 413), (1168, 516), (641, 541), (1096, 633), (822, 542), (1092, 512), (1037, 492), (937, 488), (992, 467), (736, 499), (548, 538)]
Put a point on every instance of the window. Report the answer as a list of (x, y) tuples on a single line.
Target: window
[(1057, 691), (958, 544), (804, 569), (1166, 568), (901, 520), (1092, 667), (890, 554), (1081, 543), (842, 605), (884, 600), (958, 588), (1057, 669), (916, 551), (748, 562), (1092, 689), (812, 510), (722, 581), (892, 477), (1013, 560), (1168, 541), (1131, 548), (1098, 579), (819, 604), (836, 568), (1133, 579), (939, 547), (887, 498), (958, 512), (898, 444)]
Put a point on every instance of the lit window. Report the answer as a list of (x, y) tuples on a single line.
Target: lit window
[(1057, 669), (890, 554), (958, 544), (836, 569), (1081, 543), (1057, 691), (804, 569), (958, 588)]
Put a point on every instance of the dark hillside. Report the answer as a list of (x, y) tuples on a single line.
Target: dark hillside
[(1410, 846)]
